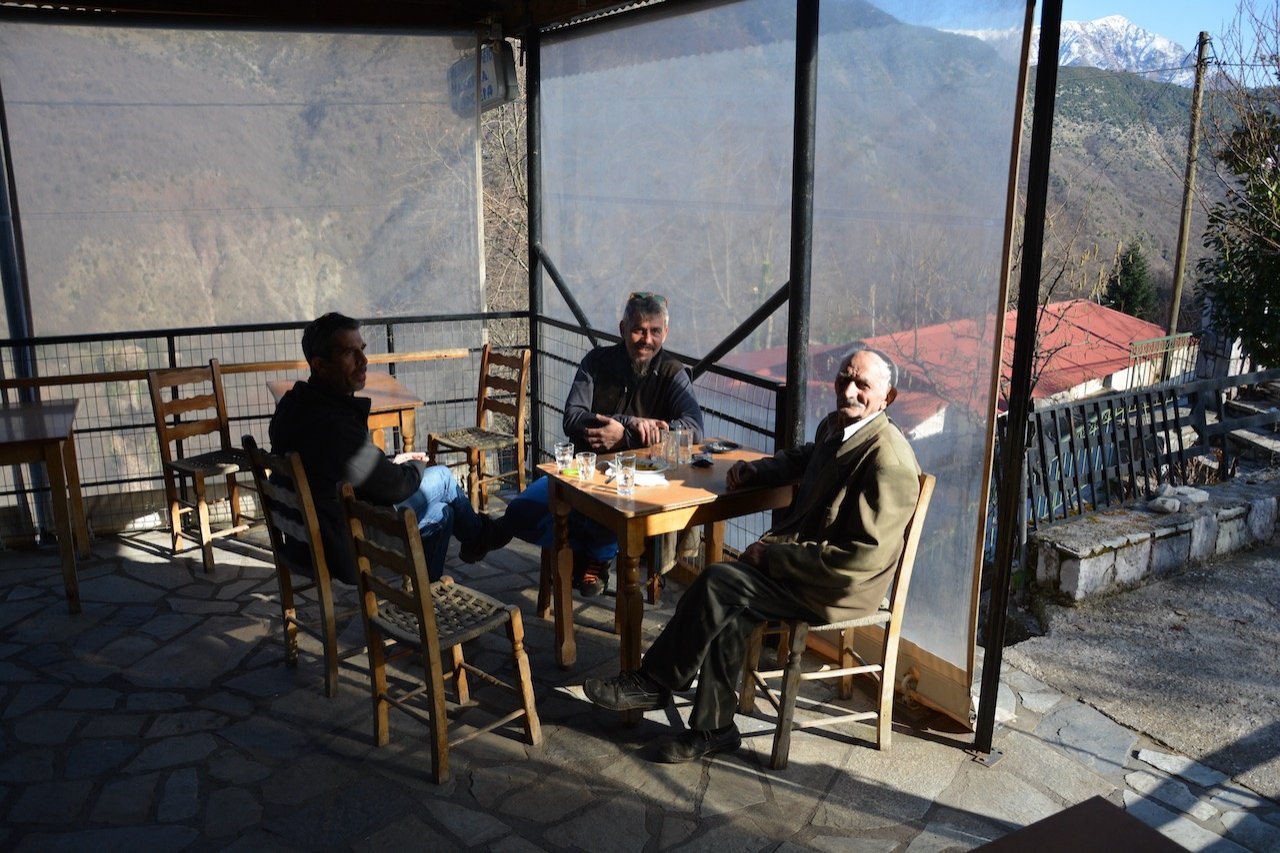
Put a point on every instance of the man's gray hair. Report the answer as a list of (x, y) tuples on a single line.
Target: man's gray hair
[(645, 304), (883, 356)]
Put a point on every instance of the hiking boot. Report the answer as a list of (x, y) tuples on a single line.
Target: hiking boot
[(692, 743), (627, 691), (494, 534)]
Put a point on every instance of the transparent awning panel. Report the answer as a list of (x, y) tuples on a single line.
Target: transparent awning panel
[(176, 178), (667, 162), (915, 124), (668, 150)]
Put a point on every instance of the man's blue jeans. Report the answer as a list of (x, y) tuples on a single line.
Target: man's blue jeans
[(442, 509), (529, 518)]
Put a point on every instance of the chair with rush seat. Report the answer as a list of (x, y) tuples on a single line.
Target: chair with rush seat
[(409, 617), (299, 557), (503, 379), (191, 421), (795, 633)]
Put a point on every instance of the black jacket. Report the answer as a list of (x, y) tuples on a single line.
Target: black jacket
[(330, 431)]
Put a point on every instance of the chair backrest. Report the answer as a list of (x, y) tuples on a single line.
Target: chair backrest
[(503, 380), (392, 565), (189, 402), (901, 582), (291, 518)]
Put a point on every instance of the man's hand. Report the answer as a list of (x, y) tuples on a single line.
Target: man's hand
[(741, 472), (415, 456), (607, 435), (649, 430), (754, 554)]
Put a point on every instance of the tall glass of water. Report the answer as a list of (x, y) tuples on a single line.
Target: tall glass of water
[(684, 446), (624, 468)]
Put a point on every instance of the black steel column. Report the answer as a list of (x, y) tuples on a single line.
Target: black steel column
[(533, 181), (13, 261), (1013, 450), (802, 159)]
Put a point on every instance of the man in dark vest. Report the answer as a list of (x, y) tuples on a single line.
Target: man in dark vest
[(831, 558), (622, 397)]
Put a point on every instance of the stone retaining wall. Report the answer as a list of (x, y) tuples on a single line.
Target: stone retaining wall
[(1113, 549)]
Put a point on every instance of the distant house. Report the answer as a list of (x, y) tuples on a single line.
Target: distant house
[(1083, 350)]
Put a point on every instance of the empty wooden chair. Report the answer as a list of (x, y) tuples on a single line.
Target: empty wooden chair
[(503, 379), (407, 616), (190, 412), (299, 558), (795, 633)]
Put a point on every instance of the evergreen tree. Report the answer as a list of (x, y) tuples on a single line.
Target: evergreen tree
[(1129, 285)]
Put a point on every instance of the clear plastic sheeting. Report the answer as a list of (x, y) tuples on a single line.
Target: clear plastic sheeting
[(667, 165), (178, 178)]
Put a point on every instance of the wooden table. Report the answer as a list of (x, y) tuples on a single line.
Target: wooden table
[(393, 406), (42, 432), (692, 496)]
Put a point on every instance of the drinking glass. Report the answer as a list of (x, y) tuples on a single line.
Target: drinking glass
[(586, 467), (684, 446), (625, 470), (658, 450), (669, 454), (564, 456)]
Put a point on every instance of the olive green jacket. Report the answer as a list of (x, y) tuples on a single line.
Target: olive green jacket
[(841, 538)]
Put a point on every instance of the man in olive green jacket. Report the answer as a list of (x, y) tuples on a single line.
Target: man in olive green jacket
[(830, 558)]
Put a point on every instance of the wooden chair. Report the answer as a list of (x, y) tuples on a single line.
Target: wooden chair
[(502, 392), (299, 557), (190, 407), (408, 616), (797, 630)]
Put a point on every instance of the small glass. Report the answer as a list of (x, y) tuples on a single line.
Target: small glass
[(624, 468), (684, 445), (564, 456), (658, 450), (586, 467)]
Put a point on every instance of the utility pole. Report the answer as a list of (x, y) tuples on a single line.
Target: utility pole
[(1188, 185)]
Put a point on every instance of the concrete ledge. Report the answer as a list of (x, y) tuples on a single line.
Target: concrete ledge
[(1118, 548)]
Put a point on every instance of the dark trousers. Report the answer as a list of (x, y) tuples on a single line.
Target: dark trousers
[(706, 637)]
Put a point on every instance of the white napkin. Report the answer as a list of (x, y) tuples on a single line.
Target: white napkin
[(651, 478)]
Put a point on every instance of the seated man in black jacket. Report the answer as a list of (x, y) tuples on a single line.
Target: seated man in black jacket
[(328, 425), (622, 397)]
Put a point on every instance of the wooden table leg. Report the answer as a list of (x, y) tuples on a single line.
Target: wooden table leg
[(712, 543), (562, 584), (78, 518), (53, 459), (408, 429)]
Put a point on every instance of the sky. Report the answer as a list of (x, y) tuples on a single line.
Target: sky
[(1177, 20)]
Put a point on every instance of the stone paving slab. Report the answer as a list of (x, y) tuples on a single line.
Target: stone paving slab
[(164, 718)]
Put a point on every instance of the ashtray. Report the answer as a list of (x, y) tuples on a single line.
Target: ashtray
[(720, 446)]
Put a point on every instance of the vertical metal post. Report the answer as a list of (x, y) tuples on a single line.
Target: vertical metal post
[(1024, 343), (1188, 187), (802, 160), (13, 261), (533, 181)]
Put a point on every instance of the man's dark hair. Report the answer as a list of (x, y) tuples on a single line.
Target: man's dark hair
[(317, 337)]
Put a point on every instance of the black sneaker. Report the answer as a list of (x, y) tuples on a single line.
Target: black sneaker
[(493, 535), (692, 743), (627, 691), (594, 579)]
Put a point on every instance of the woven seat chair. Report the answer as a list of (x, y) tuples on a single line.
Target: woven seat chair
[(300, 563), (407, 616), (503, 379), (190, 410), (795, 634)]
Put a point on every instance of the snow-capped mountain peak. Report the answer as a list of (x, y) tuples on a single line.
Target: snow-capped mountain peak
[(1112, 42)]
